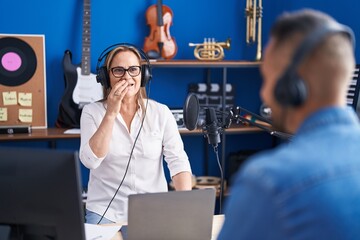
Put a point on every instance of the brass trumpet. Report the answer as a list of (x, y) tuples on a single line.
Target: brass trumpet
[(210, 49), (253, 13)]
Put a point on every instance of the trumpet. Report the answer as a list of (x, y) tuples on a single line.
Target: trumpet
[(253, 13), (210, 49)]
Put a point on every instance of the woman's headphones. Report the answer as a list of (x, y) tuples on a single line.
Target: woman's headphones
[(103, 74), (290, 89)]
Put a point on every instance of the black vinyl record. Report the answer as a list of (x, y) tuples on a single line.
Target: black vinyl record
[(17, 61)]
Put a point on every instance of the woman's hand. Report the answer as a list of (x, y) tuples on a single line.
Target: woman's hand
[(116, 96)]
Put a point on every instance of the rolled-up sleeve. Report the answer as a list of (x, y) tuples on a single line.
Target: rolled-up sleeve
[(89, 124), (173, 146)]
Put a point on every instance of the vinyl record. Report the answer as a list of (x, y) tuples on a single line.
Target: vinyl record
[(17, 61)]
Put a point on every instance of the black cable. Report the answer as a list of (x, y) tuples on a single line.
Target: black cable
[(221, 178), (131, 153)]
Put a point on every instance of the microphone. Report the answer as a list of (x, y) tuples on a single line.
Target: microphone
[(191, 116), (211, 129)]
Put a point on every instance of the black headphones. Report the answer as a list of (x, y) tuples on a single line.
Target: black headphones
[(102, 72), (290, 89)]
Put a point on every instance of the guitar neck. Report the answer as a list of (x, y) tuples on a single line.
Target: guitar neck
[(86, 39)]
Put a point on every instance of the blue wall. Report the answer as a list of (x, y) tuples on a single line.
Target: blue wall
[(116, 21)]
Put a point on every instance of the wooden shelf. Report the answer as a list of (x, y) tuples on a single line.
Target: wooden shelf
[(48, 134), (233, 130), (52, 134), (204, 64)]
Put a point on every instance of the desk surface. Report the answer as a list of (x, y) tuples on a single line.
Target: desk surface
[(218, 221), (51, 134), (39, 134)]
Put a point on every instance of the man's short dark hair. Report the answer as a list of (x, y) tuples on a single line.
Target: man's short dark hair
[(300, 22)]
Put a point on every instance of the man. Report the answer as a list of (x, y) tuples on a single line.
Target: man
[(308, 188)]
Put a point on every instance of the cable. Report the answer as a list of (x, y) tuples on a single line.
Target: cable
[(221, 179), (131, 153)]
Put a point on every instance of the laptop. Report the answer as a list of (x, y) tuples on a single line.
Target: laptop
[(171, 215)]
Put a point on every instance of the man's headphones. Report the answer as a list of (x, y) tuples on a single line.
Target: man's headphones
[(103, 73), (290, 89)]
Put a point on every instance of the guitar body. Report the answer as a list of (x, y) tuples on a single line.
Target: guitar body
[(69, 111), (87, 89)]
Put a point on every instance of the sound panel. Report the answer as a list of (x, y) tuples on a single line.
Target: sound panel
[(22, 80)]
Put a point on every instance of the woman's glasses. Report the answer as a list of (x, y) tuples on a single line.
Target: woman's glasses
[(119, 72)]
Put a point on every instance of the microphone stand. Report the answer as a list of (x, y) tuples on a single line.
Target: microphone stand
[(234, 115)]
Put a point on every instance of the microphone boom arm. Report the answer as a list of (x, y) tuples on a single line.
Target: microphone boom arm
[(234, 116), (282, 135)]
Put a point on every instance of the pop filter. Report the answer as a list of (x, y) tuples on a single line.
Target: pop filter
[(191, 111)]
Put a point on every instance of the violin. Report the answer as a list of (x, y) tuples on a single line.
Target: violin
[(159, 43)]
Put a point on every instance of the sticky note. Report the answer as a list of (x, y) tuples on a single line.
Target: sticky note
[(3, 114), (25, 99), (9, 98), (25, 115)]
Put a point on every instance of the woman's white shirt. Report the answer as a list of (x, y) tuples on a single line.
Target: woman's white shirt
[(159, 137)]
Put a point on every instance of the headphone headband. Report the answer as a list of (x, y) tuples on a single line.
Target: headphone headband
[(102, 73), (107, 50)]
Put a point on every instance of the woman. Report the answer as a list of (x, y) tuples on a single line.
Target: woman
[(124, 138)]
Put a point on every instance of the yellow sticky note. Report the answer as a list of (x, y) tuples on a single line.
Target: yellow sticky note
[(9, 98), (25, 99), (3, 114), (25, 115)]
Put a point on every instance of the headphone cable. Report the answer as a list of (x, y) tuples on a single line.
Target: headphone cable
[(131, 153)]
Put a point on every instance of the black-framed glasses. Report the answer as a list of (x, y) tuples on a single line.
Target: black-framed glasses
[(119, 72)]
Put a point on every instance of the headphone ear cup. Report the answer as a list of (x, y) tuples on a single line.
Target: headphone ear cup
[(146, 75), (103, 77), (290, 91)]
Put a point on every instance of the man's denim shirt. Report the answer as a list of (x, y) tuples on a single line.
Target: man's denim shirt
[(308, 188)]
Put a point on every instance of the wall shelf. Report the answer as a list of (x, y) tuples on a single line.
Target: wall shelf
[(204, 64), (53, 134)]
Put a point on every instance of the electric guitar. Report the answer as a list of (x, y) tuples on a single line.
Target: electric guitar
[(81, 86)]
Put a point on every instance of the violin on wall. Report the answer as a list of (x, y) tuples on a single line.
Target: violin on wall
[(159, 43)]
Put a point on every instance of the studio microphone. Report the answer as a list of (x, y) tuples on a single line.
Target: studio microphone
[(212, 128)]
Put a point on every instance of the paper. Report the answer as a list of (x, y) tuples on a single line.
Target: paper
[(25, 99), (25, 115), (3, 115), (72, 131), (100, 232), (9, 98)]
